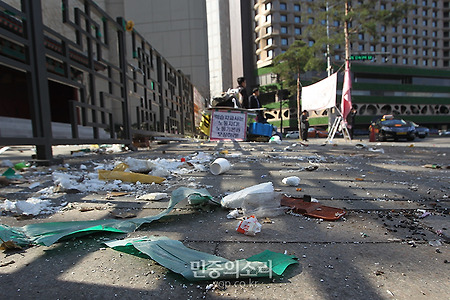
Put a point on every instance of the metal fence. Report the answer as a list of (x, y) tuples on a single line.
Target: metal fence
[(70, 74)]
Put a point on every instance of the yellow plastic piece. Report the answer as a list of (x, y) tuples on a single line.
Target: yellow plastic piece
[(128, 176)]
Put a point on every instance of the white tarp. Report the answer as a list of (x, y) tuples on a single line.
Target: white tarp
[(320, 95)]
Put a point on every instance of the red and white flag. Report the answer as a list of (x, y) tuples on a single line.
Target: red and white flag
[(346, 102)]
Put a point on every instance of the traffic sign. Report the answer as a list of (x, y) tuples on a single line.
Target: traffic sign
[(362, 57)]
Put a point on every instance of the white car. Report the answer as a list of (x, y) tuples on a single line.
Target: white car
[(292, 135)]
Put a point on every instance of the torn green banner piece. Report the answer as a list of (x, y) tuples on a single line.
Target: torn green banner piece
[(195, 265), (49, 233)]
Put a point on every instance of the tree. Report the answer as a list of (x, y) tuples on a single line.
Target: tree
[(289, 65), (362, 18)]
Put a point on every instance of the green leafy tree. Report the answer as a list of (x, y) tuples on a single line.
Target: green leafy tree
[(289, 65), (362, 17)]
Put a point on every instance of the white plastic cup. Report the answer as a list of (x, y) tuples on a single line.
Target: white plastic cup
[(219, 166)]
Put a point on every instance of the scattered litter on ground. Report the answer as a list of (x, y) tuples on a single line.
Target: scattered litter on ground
[(50, 233), (195, 265), (236, 199), (312, 209), (249, 226), (219, 166), (153, 196), (291, 181)]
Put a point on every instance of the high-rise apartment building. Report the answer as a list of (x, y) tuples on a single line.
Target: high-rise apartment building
[(404, 56), (420, 39)]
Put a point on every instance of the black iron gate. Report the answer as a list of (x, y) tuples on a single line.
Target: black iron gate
[(74, 75)]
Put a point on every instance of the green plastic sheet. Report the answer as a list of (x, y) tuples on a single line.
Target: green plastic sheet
[(50, 233), (195, 265)]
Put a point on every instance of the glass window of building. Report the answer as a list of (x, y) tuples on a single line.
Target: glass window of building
[(425, 43), (405, 20), (434, 24), (284, 29), (394, 50), (311, 43), (383, 7), (383, 38), (434, 34), (434, 63), (297, 31), (425, 62), (394, 39), (268, 6), (425, 52), (424, 3), (424, 13), (405, 51), (405, 61), (269, 30), (415, 62), (283, 6), (415, 11), (372, 48), (361, 36), (270, 53), (424, 22), (434, 53), (337, 57), (405, 30), (297, 19), (360, 47), (414, 31), (434, 4), (283, 18), (394, 29), (383, 49), (296, 7), (383, 28), (269, 42), (414, 52), (311, 21), (336, 23), (269, 18), (415, 21), (425, 32), (284, 42), (394, 60), (434, 43)]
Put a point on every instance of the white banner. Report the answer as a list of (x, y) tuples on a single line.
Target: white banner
[(320, 95)]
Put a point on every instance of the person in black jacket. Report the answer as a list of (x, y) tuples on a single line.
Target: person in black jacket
[(243, 96), (253, 102), (304, 125), (351, 122)]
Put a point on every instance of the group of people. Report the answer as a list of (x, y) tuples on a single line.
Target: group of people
[(250, 102)]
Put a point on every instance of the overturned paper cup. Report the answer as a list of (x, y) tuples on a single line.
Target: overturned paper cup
[(219, 166)]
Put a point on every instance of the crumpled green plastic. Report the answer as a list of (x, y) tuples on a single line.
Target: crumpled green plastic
[(49, 233), (195, 265)]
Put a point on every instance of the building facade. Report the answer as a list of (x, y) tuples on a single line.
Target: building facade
[(403, 57)]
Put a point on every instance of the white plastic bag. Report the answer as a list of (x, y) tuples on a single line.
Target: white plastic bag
[(291, 181), (263, 205), (235, 200), (249, 226)]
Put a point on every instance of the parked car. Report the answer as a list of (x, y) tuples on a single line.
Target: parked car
[(316, 132), (292, 135), (421, 131), (393, 128)]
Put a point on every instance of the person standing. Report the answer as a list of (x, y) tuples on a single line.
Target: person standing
[(243, 96), (304, 125), (351, 121), (253, 103)]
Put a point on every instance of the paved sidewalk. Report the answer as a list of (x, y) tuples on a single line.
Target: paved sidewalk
[(382, 248)]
